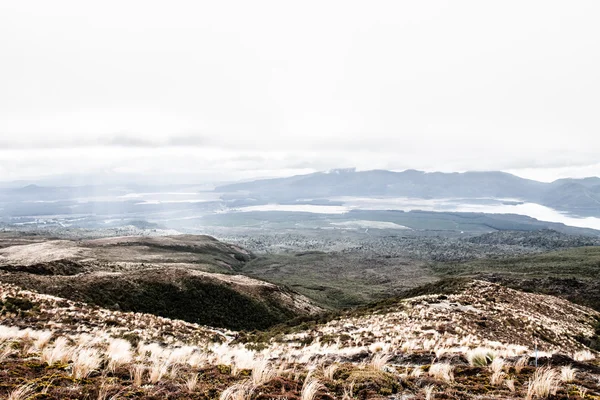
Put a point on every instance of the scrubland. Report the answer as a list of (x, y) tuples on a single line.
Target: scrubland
[(479, 342)]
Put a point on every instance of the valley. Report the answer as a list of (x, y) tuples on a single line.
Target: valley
[(236, 297)]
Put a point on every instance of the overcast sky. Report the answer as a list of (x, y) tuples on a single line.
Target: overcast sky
[(237, 89)]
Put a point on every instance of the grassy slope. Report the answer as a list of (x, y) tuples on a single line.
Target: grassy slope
[(157, 275), (189, 298), (343, 280), (336, 280), (573, 273)]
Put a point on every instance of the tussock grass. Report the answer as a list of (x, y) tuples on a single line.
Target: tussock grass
[(136, 372), (480, 357), (349, 391), (85, 361), (191, 383), (497, 378), (497, 369), (43, 338), (330, 370), (5, 352), (428, 391), (521, 363), (23, 392), (442, 371), (262, 372), (544, 382), (379, 361), (60, 351), (567, 373), (510, 384), (118, 353), (584, 355), (158, 370), (310, 388), (177, 367), (497, 365), (238, 391)]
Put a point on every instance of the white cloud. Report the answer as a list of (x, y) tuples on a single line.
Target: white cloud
[(267, 87)]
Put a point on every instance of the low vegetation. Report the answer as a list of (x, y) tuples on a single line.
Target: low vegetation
[(61, 349), (172, 277)]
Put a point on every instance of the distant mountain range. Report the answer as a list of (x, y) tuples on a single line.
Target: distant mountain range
[(578, 196)]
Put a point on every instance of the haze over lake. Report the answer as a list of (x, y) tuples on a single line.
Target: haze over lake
[(491, 206)]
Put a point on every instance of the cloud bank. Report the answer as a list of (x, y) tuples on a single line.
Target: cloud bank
[(228, 90)]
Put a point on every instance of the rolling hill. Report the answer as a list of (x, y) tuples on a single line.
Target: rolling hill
[(184, 277)]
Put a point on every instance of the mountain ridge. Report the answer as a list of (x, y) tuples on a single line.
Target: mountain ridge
[(580, 196)]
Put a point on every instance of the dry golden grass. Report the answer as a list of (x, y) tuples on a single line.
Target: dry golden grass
[(22, 392), (262, 372), (101, 354), (521, 363), (85, 361), (480, 357), (118, 353), (330, 370), (544, 382), (379, 361), (348, 393), (442, 371), (428, 391), (568, 373), (510, 384), (136, 372), (238, 391), (191, 383), (310, 388)]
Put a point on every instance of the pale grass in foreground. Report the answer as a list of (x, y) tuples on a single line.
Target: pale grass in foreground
[(85, 361), (379, 361), (191, 382), (22, 392), (262, 373), (42, 340), (238, 391), (480, 357), (158, 370), (330, 370), (349, 391), (544, 382), (416, 372), (442, 371), (377, 334), (118, 353), (497, 378), (567, 373), (497, 367), (137, 374), (429, 392), (5, 352), (510, 384), (60, 351), (521, 363), (103, 393), (310, 388)]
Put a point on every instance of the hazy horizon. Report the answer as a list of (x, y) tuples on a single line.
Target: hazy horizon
[(104, 177)]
